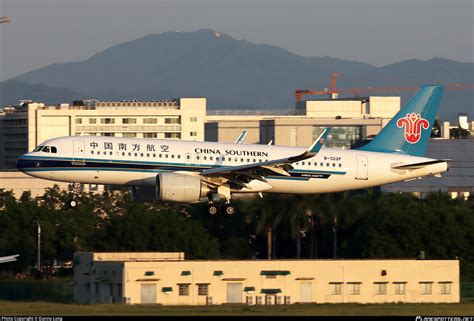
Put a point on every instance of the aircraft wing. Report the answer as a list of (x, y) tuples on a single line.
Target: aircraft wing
[(10, 258), (243, 174)]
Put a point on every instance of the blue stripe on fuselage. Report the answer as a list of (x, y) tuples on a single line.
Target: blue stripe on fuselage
[(42, 163)]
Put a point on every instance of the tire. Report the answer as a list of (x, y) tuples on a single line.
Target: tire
[(229, 210), (212, 210)]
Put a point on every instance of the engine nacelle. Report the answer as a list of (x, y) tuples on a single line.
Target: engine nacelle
[(180, 188), (172, 187)]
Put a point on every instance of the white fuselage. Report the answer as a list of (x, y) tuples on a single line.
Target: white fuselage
[(136, 162)]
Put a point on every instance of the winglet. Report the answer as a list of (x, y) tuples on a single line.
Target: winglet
[(319, 142), (241, 137)]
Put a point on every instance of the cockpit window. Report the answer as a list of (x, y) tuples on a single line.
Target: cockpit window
[(46, 149)]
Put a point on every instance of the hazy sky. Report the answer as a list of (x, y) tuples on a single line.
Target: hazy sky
[(378, 32)]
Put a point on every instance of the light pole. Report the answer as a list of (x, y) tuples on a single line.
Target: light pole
[(39, 246)]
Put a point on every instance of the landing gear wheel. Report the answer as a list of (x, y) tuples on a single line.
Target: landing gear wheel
[(212, 209), (229, 210)]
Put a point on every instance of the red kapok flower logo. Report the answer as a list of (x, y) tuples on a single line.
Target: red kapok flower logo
[(413, 124)]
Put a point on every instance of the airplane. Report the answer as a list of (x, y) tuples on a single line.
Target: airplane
[(9, 258), (192, 171)]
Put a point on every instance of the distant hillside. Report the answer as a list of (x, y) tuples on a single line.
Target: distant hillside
[(11, 91), (233, 73)]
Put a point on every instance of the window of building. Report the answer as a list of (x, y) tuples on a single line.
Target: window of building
[(354, 288), (129, 120), (78, 121), (172, 135), (183, 289), (193, 134), (426, 287), (293, 136), (92, 121), (445, 287), (107, 121), (150, 120), (172, 121), (336, 288), (380, 288), (129, 135), (150, 135), (193, 119), (203, 289), (400, 287)]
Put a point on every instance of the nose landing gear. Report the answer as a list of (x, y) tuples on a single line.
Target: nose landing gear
[(75, 191)]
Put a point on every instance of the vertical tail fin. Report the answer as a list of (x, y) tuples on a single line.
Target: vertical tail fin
[(409, 130)]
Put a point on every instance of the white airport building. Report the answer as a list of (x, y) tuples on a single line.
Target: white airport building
[(169, 279)]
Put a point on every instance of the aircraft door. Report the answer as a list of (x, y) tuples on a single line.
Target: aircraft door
[(79, 152), (362, 167)]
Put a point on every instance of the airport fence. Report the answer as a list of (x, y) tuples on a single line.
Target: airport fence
[(59, 290)]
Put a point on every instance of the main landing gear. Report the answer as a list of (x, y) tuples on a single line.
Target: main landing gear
[(223, 192), (213, 209), (75, 191)]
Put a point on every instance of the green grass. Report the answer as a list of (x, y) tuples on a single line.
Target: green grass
[(46, 308)]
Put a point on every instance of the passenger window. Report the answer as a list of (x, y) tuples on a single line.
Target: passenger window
[(166, 155), (211, 158), (172, 155), (98, 152), (204, 157), (92, 152), (340, 165), (302, 163), (154, 155), (147, 155), (129, 154), (123, 153), (110, 153), (179, 156), (135, 154)]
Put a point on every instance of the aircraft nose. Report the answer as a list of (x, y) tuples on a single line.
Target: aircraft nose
[(23, 162)]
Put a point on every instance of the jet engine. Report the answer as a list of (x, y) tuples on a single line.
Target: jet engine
[(171, 187)]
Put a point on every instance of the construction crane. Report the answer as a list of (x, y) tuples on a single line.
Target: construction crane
[(5, 19), (334, 92)]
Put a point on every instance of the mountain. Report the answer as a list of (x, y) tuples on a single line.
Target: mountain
[(233, 73), (11, 91)]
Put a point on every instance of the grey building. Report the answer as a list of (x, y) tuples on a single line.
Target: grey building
[(458, 181)]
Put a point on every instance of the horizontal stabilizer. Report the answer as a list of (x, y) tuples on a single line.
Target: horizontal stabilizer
[(420, 165)]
